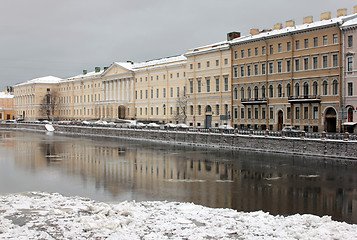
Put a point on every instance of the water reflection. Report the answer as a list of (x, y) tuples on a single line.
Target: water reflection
[(113, 170)]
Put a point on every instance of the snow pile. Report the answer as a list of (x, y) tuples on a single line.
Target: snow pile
[(53, 216)]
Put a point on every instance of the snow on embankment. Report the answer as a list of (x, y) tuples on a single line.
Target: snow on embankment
[(53, 216)]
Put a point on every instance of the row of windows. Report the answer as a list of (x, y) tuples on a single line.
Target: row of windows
[(208, 109), (253, 69), (88, 86), (81, 99), (208, 64), (156, 111), (255, 113), (261, 92), (208, 84), (287, 47), (157, 77), (157, 93)]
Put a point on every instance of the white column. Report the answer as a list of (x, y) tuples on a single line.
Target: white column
[(127, 89), (104, 93), (132, 90), (122, 89), (116, 90)]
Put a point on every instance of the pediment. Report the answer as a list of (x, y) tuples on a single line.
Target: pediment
[(116, 69)]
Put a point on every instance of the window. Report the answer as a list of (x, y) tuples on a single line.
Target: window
[(350, 64), (191, 86), (164, 92), (288, 112), (191, 66), (242, 71), (178, 92), (249, 52), (306, 112), (235, 72), (334, 39), (256, 51), (217, 84), (306, 43), (306, 89), (235, 93), (249, 93), (242, 113), (199, 109), (297, 112), (350, 89), (226, 84), (235, 54), (249, 113), (217, 109), (315, 62), (263, 68), (208, 85), (263, 113), (279, 67), (242, 53), (316, 112), (271, 67), (263, 50), (271, 49), (256, 69), (335, 60), (256, 92), (288, 65), (242, 93), (334, 87), (248, 70), (263, 91), (225, 61), (316, 41), (306, 64), (157, 93), (271, 91), (280, 92), (288, 46), (217, 63), (297, 64), (315, 89), (324, 61), (198, 66), (208, 64), (324, 88), (235, 113), (191, 110), (271, 113), (198, 86), (297, 89), (324, 40), (279, 47), (171, 92), (350, 41), (297, 44)]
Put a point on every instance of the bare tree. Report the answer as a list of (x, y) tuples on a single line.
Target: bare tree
[(49, 104), (181, 108)]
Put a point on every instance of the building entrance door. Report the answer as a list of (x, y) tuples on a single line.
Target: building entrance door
[(121, 112), (208, 121), (330, 120), (280, 120)]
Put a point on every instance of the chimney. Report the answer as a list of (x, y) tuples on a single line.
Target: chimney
[(355, 9), (307, 20), (97, 69), (325, 16), (84, 71), (254, 31), (290, 23), (342, 12), (278, 26), (232, 35)]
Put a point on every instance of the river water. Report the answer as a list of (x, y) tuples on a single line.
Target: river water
[(112, 170)]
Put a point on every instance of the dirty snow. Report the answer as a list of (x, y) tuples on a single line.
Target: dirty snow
[(38, 215)]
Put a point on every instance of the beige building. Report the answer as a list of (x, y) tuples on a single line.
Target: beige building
[(209, 85), (6, 106), (289, 76)]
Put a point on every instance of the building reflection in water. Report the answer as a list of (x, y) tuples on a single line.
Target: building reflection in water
[(244, 181)]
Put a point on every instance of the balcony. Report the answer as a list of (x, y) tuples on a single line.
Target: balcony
[(304, 99), (254, 101)]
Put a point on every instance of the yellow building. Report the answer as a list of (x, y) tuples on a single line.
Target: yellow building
[(289, 76), (6, 106)]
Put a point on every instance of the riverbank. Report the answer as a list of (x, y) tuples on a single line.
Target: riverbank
[(323, 148), (39, 215)]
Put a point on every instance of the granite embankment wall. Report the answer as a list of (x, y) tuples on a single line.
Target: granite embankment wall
[(339, 149)]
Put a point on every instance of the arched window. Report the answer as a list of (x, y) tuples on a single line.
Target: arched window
[(350, 114), (306, 89), (315, 89), (256, 92), (242, 93), (280, 91), (288, 90), (235, 93), (271, 91), (334, 87), (249, 92), (297, 89), (324, 88), (208, 109), (263, 91)]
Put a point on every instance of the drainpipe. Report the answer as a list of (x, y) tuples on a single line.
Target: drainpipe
[(342, 71), (266, 82), (292, 79)]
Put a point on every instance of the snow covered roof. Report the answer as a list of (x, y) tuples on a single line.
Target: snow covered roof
[(45, 80), (6, 95), (206, 48), (349, 23), (332, 21), (90, 74)]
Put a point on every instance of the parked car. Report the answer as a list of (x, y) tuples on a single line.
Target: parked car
[(153, 125), (291, 129)]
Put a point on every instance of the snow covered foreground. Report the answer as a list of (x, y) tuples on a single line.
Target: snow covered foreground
[(53, 216)]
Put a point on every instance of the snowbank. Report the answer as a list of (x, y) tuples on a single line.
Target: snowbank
[(53, 216)]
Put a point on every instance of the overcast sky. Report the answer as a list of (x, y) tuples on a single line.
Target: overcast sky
[(61, 38)]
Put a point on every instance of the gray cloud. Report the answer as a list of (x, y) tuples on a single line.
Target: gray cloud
[(60, 38)]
